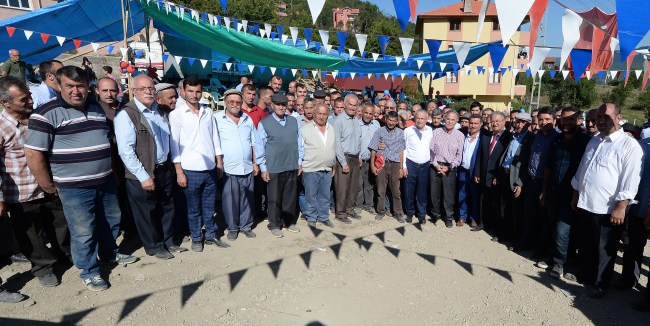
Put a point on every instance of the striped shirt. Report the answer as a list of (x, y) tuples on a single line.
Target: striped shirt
[(447, 147), (76, 142), (394, 141), (18, 183)]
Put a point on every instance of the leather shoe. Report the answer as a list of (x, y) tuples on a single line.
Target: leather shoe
[(473, 224), (311, 224), (217, 242), (11, 297), (197, 246), (328, 223), (344, 219), (477, 228), (422, 220), (409, 219), (355, 216), (249, 234), (598, 293), (232, 235), (163, 255), (176, 249), (449, 223), (48, 280)]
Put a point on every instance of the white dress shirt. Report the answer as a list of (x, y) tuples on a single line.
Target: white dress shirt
[(468, 150), (194, 139), (610, 171), (417, 148)]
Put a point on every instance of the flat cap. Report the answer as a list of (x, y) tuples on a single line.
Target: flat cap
[(279, 99), (523, 116), (163, 86), (466, 115), (232, 91), (319, 93)]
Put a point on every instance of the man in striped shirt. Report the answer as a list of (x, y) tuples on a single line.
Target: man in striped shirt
[(69, 153)]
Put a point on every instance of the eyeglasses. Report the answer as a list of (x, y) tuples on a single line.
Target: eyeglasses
[(145, 89), (232, 102)]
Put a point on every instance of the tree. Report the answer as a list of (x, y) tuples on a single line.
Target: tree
[(563, 92)]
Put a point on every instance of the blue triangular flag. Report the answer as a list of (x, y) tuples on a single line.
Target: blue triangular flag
[(431, 65), (522, 66), (317, 46), (580, 59), (633, 24), (256, 28), (241, 67), (341, 36), (110, 49), (262, 69), (403, 12), (378, 75), (528, 73), (552, 73), (455, 66), (218, 19), (434, 47), (324, 74), (273, 35), (284, 71), (503, 70), (223, 5), (235, 22), (138, 53), (204, 17), (497, 52), (601, 74), (383, 41), (165, 56), (304, 72), (280, 30), (251, 29), (509, 68), (191, 61), (307, 32)]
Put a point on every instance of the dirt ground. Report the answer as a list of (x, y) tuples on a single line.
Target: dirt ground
[(366, 273)]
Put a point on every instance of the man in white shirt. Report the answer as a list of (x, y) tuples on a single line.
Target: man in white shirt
[(48, 87), (469, 193), (416, 167), (606, 181), (196, 154)]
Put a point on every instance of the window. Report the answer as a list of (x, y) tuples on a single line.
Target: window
[(494, 77), (451, 77), (20, 4), (454, 25), (495, 25)]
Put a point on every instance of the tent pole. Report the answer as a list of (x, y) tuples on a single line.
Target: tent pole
[(126, 46)]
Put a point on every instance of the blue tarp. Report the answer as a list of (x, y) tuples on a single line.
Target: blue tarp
[(86, 20)]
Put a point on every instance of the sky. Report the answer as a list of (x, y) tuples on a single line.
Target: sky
[(553, 31)]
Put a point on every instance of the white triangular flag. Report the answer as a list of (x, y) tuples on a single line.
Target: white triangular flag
[(443, 65), (613, 45), (195, 15), (211, 19), (538, 59), (398, 60), (419, 62), (352, 74), (351, 52), (181, 13), (369, 75), (61, 39), (294, 71), (588, 74), (228, 65), (239, 27), (324, 36), (123, 50), (565, 73), (407, 44), (540, 73), (226, 21), (272, 70), (244, 24), (178, 58), (335, 73), (95, 46), (461, 49), (262, 33), (267, 30), (285, 37), (374, 57), (515, 71), (203, 62), (328, 48), (613, 73), (481, 18), (361, 42), (402, 75), (314, 73), (294, 35), (315, 8), (167, 7), (637, 73), (511, 13), (386, 74), (571, 32), (251, 68), (28, 34)]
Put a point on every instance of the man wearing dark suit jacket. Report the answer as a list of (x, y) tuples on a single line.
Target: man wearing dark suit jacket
[(514, 163), (487, 173), (469, 193)]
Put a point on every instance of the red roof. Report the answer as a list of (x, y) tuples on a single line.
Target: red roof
[(456, 9), (360, 82)]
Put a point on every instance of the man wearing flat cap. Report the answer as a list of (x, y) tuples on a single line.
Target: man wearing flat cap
[(279, 152), (514, 178), (319, 96)]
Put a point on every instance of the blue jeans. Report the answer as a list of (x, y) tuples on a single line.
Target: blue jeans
[(302, 202), (200, 194), (469, 198), (93, 216), (416, 188), (317, 195), (561, 215)]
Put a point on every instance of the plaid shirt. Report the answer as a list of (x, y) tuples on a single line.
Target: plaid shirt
[(394, 141), (18, 183)]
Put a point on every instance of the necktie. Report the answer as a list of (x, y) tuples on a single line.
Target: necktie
[(492, 143)]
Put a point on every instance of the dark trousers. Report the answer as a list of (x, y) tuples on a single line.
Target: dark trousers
[(469, 196), (389, 177), (236, 201), (282, 190), (491, 211), (598, 249), (633, 256), (562, 218), (35, 224), (510, 213), (532, 222), (260, 198), (367, 181), (346, 186), (416, 188), (443, 193), (153, 211)]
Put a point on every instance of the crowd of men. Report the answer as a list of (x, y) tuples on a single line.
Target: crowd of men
[(75, 170)]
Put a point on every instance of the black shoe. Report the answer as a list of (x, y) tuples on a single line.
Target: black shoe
[(379, 217), (217, 242), (175, 248), (249, 234), (232, 235), (197, 246), (477, 228), (19, 258), (354, 215), (409, 219), (311, 224), (328, 223), (400, 218), (344, 219), (48, 280), (422, 220), (164, 254), (449, 223)]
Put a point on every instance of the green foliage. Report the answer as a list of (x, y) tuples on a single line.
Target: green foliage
[(562, 92), (413, 92), (643, 101), (617, 95), (463, 103)]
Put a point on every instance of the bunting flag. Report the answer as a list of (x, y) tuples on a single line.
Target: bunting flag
[(244, 25), (272, 70), (571, 32), (580, 59), (497, 52), (552, 73), (77, 43), (228, 65), (481, 18), (374, 57), (28, 34), (361, 42), (315, 8), (60, 39), (294, 34), (45, 37), (251, 68), (383, 42), (536, 13), (511, 13), (191, 62), (226, 21), (10, 30), (461, 49), (294, 71), (419, 62), (646, 72), (324, 36), (434, 47), (443, 65), (398, 60), (630, 58), (407, 44), (353, 74), (307, 32), (203, 62), (538, 60), (178, 58), (402, 11), (413, 4), (633, 24), (341, 36), (284, 38), (223, 5), (588, 74), (267, 30), (351, 53), (280, 30)]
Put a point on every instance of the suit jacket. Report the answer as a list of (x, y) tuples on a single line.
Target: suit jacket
[(519, 165), (487, 164)]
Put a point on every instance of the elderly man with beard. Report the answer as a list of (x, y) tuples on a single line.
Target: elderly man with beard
[(237, 135), (561, 165)]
